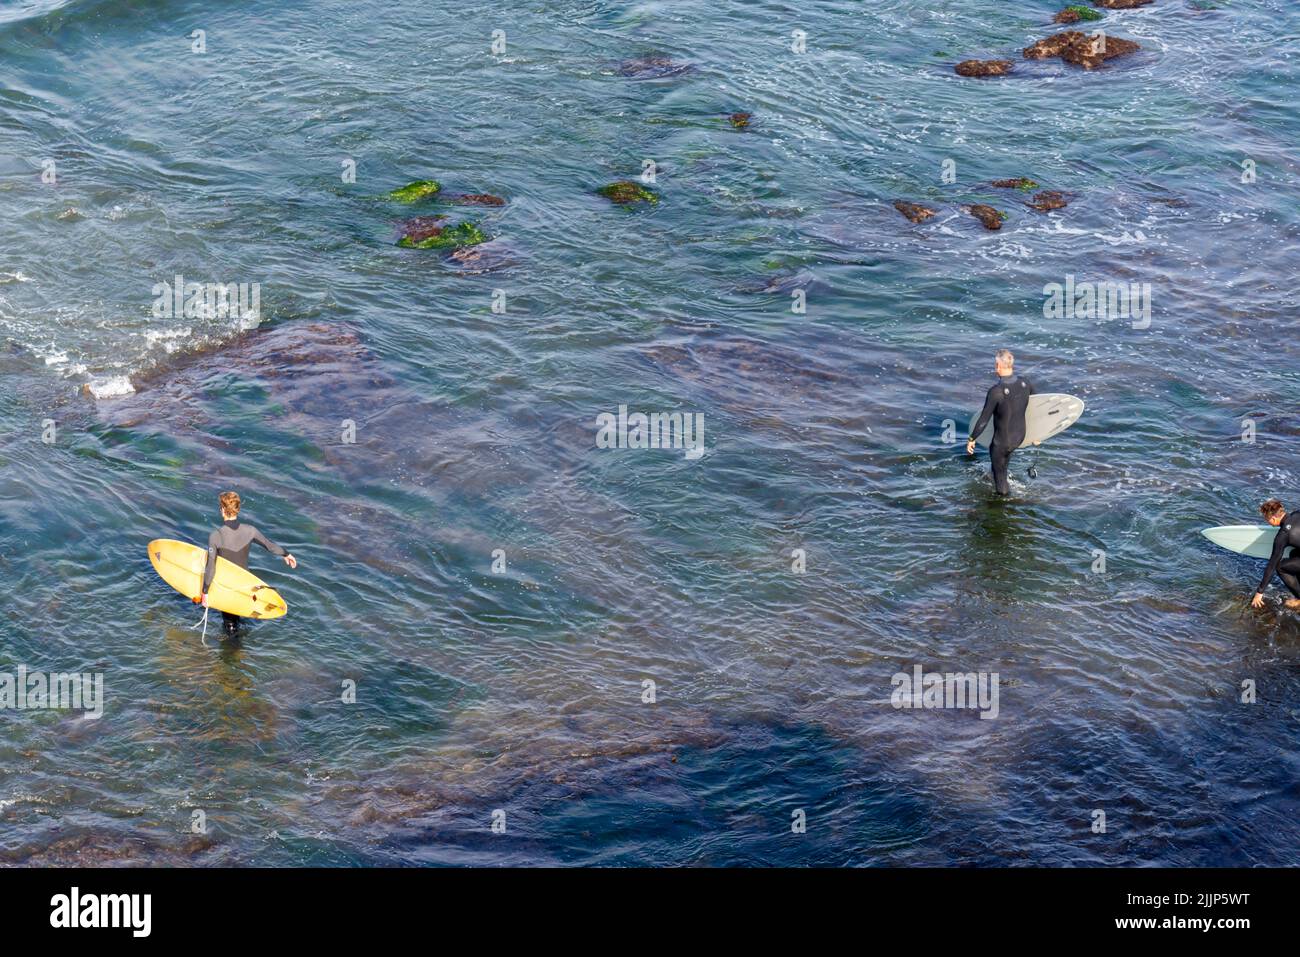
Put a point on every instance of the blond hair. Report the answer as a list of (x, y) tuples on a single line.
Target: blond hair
[(1271, 508), (229, 503)]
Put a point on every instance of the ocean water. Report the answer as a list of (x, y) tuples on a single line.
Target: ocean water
[(517, 695)]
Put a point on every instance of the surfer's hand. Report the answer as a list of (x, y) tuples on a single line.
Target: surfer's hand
[(1258, 600), (203, 600), (291, 561), (970, 447)]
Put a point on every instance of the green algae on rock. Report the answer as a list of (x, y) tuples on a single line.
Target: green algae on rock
[(428, 232), (740, 120), (418, 190), (1075, 13), (1022, 182), (625, 192)]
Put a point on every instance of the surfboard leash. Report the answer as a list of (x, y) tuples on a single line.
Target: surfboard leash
[(204, 622)]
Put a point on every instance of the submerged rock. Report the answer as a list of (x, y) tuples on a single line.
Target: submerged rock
[(1080, 49), (1047, 200), (421, 227), (466, 254), (987, 215), (740, 120), (429, 232), (786, 282), (1076, 13), (476, 199), (984, 67), (913, 211), (1174, 201), (651, 68), (1121, 4), (625, 192), (476, 260), (412, 192), (1023, 182)]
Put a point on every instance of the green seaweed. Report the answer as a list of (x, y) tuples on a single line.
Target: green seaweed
[(451, 237), (413, 192), (625, 191), (1083, 13)]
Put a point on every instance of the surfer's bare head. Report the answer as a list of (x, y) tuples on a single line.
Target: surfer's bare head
[(229, 505), (1273, 511), (1005, 361)]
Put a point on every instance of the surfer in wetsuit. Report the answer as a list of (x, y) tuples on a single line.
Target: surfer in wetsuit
[(1005, 404), (231, 541), (1288, 569)]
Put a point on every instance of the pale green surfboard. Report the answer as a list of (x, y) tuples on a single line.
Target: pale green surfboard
[(1047, 415), (1253, 540)]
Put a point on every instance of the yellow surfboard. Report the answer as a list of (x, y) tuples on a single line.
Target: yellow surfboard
[(235, 590)]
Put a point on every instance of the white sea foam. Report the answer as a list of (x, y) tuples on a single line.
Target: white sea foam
[(1135, 239), (110, 387), (169, 339)]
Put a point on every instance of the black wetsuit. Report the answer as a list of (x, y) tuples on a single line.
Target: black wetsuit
[(1005, 405), (231, 541), (1288, 569)]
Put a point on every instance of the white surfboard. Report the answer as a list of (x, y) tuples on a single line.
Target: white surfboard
[(1047, 415), (1253, 540)]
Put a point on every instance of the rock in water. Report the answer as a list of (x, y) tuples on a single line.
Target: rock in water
[(476, 199), (1080, 49), (987, 215), (1048, 199), (984, 67), (651, 68), (412, 192), (428, 232), (421, 228), (913, 211), (1023, 182), (1121, 4), (740, 120), (625, 192)]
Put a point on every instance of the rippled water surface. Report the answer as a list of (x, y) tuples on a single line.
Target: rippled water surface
[(522, 691)]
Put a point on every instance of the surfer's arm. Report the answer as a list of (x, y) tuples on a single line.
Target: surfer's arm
[(1279, 546), (211, 568), (990, 405), (273, 548)]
